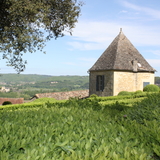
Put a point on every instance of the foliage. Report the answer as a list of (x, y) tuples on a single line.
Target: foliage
[(157, 80), (124, 102), (138, 92), (77, 130), (38, 103), (14, 95), (151, 88), (93, 96), (148, 109), (9, 94), (118, 98), (6, 103), (44, 100), (26, 25), (124, 93), (26, 86)]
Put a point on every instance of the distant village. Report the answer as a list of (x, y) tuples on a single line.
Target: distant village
[(4, 89)]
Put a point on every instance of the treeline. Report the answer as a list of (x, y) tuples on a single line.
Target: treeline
[(157, 80)]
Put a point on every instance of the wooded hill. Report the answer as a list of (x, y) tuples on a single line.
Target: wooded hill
[(26, 86), (44, 81)]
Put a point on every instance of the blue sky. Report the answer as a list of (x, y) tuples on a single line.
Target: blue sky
[(98, 25)]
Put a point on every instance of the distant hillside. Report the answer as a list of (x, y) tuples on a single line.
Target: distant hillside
[(16, 78), (54, 83)]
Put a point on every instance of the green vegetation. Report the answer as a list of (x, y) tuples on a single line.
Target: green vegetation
[(157, 80), (14, 95), (124, 93), (26, 86), (138, 92), (21, 24), (82, 129), (151, 88)]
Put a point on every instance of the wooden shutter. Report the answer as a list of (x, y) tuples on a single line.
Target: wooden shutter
[(102, 82), (97, 83)]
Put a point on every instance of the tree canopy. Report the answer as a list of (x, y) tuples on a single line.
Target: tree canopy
[(25, 26)]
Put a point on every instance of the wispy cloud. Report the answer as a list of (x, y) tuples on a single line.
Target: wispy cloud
[(155, 52), (123, 11), (95, 35), (86, 45), (149, 11)]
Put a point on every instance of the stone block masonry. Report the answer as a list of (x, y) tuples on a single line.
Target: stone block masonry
[(12, 100)]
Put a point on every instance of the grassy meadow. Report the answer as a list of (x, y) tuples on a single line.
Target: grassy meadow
[(97, 128)]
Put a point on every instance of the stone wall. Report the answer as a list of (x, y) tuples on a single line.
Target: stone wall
[(117, 81), (64, 95), (130, 81), (124, 81), (108, 83), (12, 100)]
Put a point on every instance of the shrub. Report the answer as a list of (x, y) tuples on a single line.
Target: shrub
[(138, 92), (147, 109), (151, 88), (93, 96), (45, 99), (125, 93), (6, 103)]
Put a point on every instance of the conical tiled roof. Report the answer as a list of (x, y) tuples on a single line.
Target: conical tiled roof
[(122, 55)]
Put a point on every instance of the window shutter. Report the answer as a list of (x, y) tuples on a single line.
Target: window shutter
[(97, 83), (102, 82)]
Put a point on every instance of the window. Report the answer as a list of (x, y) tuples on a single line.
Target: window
[(145, 84), (100, 83)]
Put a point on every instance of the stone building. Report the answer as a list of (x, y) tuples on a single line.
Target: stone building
[(120, 68)]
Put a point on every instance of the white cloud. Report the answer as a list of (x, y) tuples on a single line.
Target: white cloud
[(155, 52), (95, 35), (149, 11), (86, 45), (95, 31), (123, 11)]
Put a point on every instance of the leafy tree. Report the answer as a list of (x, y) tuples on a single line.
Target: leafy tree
[(157, 80), (25, 26)]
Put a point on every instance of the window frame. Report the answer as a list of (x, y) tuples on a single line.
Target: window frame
[(145, 84), (99, 82)]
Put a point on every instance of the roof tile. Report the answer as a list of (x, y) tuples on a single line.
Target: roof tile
[(120, 55)]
